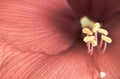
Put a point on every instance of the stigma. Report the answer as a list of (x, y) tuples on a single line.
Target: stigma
[(91, 30)]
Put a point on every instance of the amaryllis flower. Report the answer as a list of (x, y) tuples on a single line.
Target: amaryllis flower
[(43, 39)]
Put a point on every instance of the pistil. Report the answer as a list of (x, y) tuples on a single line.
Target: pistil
[(92, 29)]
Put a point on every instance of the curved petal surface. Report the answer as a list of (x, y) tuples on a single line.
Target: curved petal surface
[(34, 25)]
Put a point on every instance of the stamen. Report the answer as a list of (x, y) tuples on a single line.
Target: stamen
[(91, 51), (96, 27), (88, 45), (94, 43), (101, 43), (92, 29), (106, 39), (104, 49), (90, 48), (103, 31), (96, 37), (88, 38), (87, 31), (86, 22)]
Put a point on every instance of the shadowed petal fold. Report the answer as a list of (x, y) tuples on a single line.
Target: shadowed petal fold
[(98, 10), (30, 25)]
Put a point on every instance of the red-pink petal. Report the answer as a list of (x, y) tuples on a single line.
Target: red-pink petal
[(70, 65), (73, 64), (15, 64), (109, 63), (37, 25)]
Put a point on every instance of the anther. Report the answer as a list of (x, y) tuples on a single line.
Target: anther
[(88, 38), (87, 31), (103, 31), (94, 43), (96, 27), (106, 39)]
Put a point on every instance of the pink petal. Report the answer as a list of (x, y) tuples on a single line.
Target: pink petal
[(35, 25), (70, 65), (110, 64), (74, 64), (15, 64)]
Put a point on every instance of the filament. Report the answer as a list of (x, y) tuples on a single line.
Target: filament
[(101, 43), (104, 48)]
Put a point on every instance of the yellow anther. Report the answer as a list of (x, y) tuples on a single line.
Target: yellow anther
[(94, 43), (103, 31), (96, 27), (106, 39), (86, 22), (87, 31), (88, 38)]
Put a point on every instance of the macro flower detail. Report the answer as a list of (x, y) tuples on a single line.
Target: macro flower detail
[(46, 39), (92, 29)]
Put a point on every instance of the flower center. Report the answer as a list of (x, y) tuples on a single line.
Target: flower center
[(92, 29)]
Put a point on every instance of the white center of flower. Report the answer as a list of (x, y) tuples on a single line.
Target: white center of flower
[(92, 29), (102, 74)]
